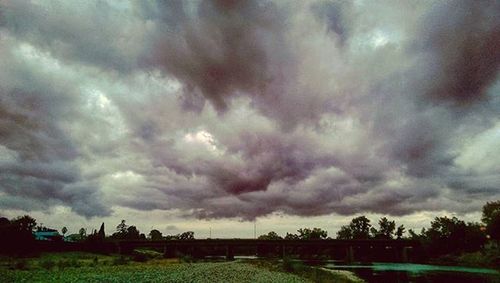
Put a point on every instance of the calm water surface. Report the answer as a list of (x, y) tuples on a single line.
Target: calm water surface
[(407, 272)]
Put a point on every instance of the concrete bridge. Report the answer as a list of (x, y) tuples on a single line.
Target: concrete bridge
[(345, 250)]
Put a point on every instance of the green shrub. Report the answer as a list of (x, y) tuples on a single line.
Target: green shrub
[(19, 264), (186, 259), (47, 264), (290, 265), (142, 255), (120, 260)]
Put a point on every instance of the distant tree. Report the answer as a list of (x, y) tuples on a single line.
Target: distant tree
[(359, 228), (16, 235), (290, 236), (452, 235), (400, 232), (155, 235), (189, 235), (345, 233), (312, 234), (24, 223), (122, 227), (101, 234), (64, 230), (270, 236), (490, 211), (122, 231), (83, 233), (491, 217), (493, 229), (386, 229), (132, 233)]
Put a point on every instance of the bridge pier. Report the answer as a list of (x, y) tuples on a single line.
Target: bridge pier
[(229, 253), (350, 254), (283, 251), (170, 251), (404, 254), (118, 248)]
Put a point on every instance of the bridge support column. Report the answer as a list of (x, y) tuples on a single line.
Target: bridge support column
[(229, 253), (350, 254), (404, 254), (170, 251)]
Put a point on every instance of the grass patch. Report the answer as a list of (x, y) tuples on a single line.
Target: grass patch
[(156, 271), (314, 274)]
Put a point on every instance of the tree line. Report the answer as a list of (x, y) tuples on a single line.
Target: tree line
[(444, 236)]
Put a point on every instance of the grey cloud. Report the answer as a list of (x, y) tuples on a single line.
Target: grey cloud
[(220, 48), (43, 163), (313, 108), (462, 38)]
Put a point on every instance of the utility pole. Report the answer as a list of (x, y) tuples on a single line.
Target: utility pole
[(210, 233)]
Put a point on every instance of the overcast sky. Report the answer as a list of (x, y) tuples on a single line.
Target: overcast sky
[(186, 115)]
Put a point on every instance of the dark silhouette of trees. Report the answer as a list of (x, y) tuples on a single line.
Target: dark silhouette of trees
[(312, 234), (270, 236), (64, 230), (155, 235), (400, 232), (358, 229), (189, 235), (491, 218), (16, 235), (452, 236), (24, 223), (290, 236), (386, 229), (132, 233), (82, 233)]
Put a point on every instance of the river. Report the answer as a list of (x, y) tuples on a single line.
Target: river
[(417, 273)]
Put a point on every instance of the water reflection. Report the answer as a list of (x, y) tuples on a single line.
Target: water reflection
[(397, 272)]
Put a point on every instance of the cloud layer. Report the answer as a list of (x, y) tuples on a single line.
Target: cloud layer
[(222, 109)]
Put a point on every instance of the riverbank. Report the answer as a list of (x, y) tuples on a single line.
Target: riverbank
[(87, 267)]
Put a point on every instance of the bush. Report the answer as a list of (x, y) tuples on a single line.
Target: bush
[(289, 265), (120, 260), (145, 255), (186, 259), (47, 264), (139, 257), (20, 265)]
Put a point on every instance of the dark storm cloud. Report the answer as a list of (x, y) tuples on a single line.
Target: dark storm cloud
[(223, 109), (332, 13), (221, 48), (462, 38), (38, 157)]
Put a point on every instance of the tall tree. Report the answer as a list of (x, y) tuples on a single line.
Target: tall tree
[(312, 234), (155, 235), (189, 235), (400, 232), (490, 211), (83, 233), (101, 234), (386, 229), (24, 223), (491, 217), (270, 236), (359, 228)]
